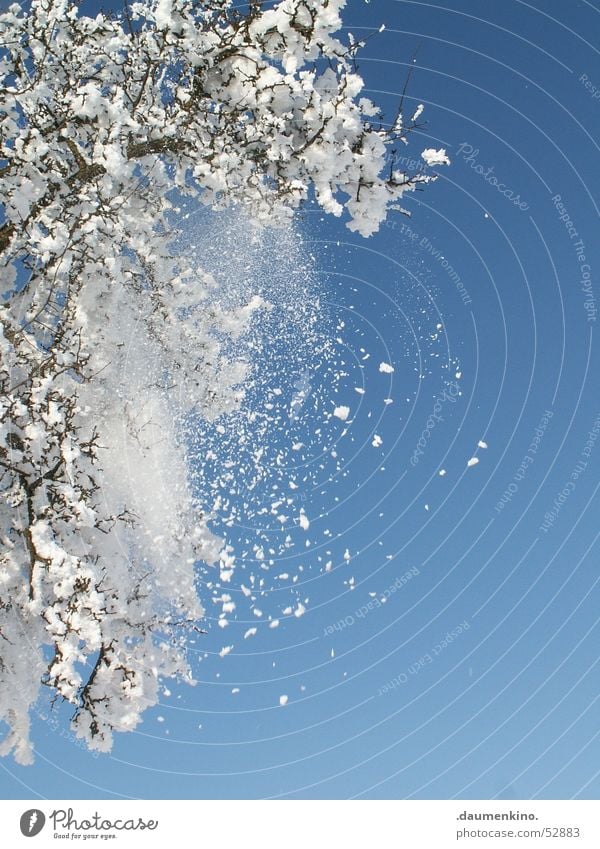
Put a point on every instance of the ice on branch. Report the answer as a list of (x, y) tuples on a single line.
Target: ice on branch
[(435, 157), (110, 337)]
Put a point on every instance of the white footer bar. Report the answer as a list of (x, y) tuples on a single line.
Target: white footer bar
[(302, 824)]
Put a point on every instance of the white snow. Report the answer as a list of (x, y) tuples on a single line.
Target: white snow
[(118, 527), (435, 157)]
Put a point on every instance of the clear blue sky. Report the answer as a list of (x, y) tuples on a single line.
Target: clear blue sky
[(479, 675)]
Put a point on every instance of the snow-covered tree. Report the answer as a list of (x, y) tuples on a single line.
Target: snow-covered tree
[(108, 333)]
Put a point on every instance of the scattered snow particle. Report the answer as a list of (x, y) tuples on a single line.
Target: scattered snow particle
[(342, 413), (377, 441), (299, 611), (435, 157), (473, 461), (359, 390), (250, 633), (304, 521), (225, 650), (235, 690), (482, 444), (283, 700), (386, 368), (442, 472), (274, 623), (347, 556)]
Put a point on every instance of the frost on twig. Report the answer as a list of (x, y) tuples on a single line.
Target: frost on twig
[(101, 120)]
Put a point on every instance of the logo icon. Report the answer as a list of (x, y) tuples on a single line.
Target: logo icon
[(32, 822)]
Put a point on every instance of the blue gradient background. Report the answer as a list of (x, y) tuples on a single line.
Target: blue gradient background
[(509, 709)]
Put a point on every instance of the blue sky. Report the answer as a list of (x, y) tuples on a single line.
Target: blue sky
[(478, 676)]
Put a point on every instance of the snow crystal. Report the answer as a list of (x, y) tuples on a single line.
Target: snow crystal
[(386, 368), (342, 413), (435, 157)]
